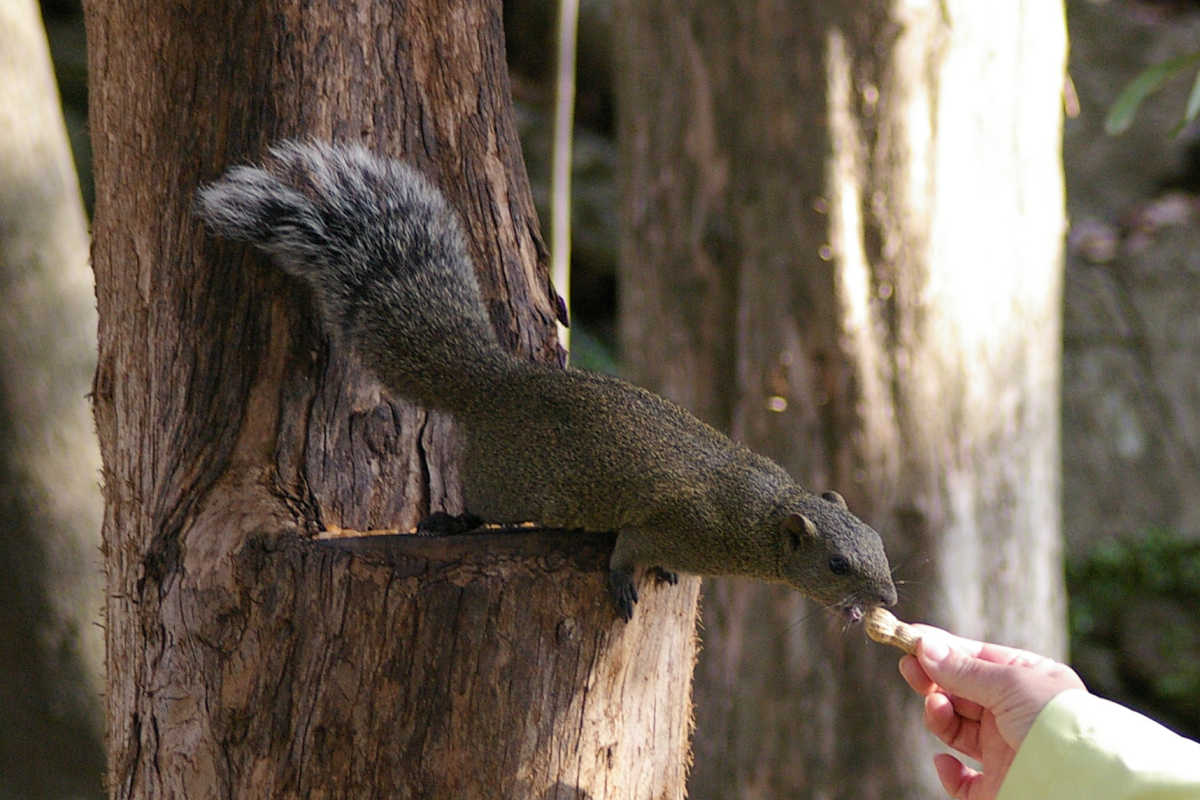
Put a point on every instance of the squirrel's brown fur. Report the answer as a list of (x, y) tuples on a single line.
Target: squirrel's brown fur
[(388, 263)]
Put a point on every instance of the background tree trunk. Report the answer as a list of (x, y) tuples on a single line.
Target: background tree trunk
[(843, 244), (246, 657), (51, 649)]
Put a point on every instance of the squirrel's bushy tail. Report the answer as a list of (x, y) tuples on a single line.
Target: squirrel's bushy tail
[(384, 254)]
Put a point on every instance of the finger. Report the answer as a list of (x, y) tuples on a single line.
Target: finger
[(960, 673), (952, 729), (966, 708), (921, 683), (999, 654), (915, 675), (957, 778), (985, 651)]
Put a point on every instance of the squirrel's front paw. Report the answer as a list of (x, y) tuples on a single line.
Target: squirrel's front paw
[(439, 523), (623, 592), (664, 576)]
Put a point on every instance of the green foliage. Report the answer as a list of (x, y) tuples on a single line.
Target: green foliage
[(590, 353), (1134, 600), (1121, 115)]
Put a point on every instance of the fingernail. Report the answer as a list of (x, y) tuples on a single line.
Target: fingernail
[(934, 648)]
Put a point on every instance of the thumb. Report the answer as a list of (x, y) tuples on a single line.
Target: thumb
[(960, 673)]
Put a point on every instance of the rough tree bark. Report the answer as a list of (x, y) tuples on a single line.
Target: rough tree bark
[(842, 243), (51, 649), (247, 655)]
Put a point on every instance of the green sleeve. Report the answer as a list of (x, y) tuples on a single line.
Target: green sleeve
[(1081, 746)]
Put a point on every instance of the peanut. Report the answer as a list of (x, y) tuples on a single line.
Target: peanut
[(883, 627)]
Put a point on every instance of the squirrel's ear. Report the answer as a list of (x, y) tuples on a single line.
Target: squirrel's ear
[(799, 527), (834, 498)]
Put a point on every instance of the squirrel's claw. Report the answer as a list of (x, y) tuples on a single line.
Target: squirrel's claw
[(623, 592), (664, 576), (439, 523)]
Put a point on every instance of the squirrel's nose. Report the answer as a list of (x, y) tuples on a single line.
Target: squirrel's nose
[(888, 596)]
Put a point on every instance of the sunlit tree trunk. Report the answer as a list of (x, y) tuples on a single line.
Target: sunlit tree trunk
[(51, 648), (250, 653), (842, 243)]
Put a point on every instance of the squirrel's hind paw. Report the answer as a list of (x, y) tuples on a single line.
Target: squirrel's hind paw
[(623, 592)]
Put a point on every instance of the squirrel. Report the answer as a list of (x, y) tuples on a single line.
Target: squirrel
[(386, 259)]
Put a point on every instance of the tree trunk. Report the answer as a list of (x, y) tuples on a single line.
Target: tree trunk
[(842, 244), (51, 649), (251, 651)]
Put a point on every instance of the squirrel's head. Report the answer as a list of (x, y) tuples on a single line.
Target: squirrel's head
[(831, 555)]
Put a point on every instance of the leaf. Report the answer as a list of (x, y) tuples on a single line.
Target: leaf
[(1120, 116), (1193, 103), (1193, 106)]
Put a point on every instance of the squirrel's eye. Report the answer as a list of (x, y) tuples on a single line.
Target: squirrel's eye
[(838, 565)]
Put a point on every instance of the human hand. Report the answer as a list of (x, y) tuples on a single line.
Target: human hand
[(980, 699)]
